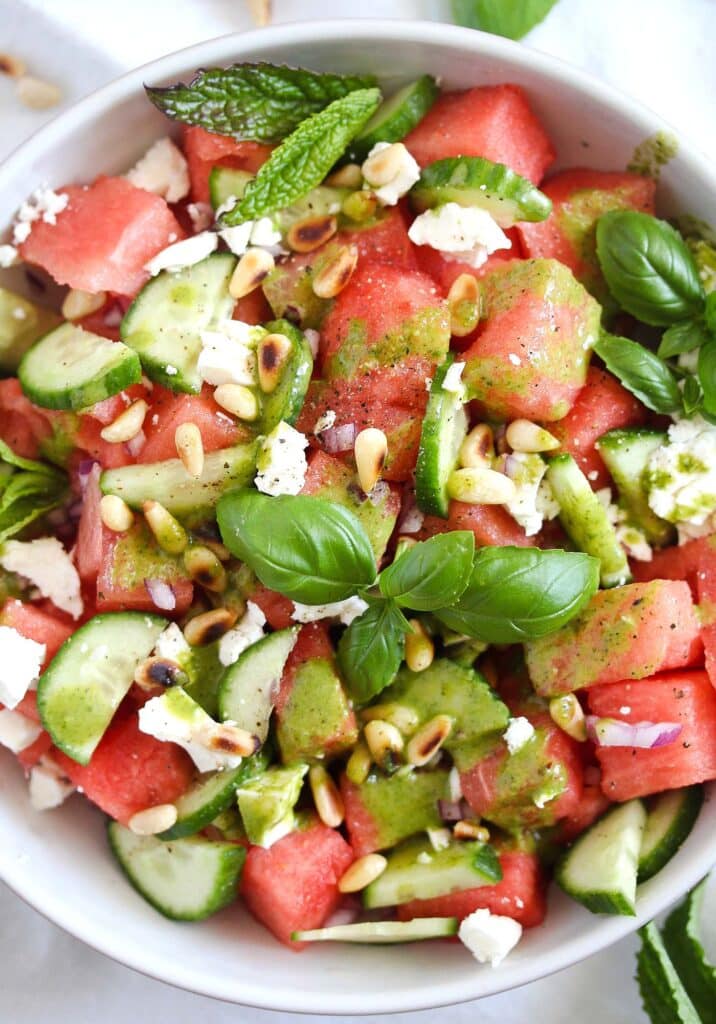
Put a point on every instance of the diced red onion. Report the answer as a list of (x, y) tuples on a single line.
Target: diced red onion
[(511, 466), (84, 471), (453, 810), (411, 518), (113, 316), (135, 445), (161, 594), (347, 913), (614, 732), (381, 491), (339, 439)]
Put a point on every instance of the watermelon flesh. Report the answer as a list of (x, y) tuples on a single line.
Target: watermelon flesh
[(37, 625), (204, 150), (277, 608), (130, 559), (168, 411), (492, 525), (706, 589), (680, 562)]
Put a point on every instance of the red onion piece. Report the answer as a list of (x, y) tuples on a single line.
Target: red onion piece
[(615, 732), (84, 471), (135, 445), (339, 439), (411, 518), (161, 594), (347, 913), (453, 810)]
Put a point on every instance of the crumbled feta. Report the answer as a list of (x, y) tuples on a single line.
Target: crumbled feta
[(49, 567), (172, 645), (238, 237), (246, 632), (489, 937), (681, 475), (201, 215), (440, 838), (8, 256), (413, 521), (518, 732), (261, 233), (406, 174), (466, 234), (625, 709), (171, 371), (533, 500), (424, 857), (16, 731), (228, 354), (631, 538), (346, 611), (162, 170), (453, 380), (325, 421), (20, 663), (281, 463), (175, 718), (183, 254), (314, 340), (44, 204), (49, 786)]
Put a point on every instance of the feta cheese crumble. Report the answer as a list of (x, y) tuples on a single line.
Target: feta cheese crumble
[(519, 731), (16, 731), (466, 234), (172, 645), (162, 170), (453, 380), (533, 501), (49, 786), (413, 521), (246, 632), (228, 354), (325, 421), (20, 663), (346, 611), (49, 567), (681, 475), (44, 204), (406, 174), (201, 215), (281, 463), (631, 538), (175, 718), (182, 254), (261, 233), (8, 256), (489, 937)]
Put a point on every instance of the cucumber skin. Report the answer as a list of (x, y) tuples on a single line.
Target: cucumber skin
[(418, 929), (682, 942), (286, 402), (418, 101), (615, 448), (430, 494), (664, 997), (674, 837)]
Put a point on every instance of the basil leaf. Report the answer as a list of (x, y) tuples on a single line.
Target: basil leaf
[(510, 18), (517, 594), (26, 497), (682, 337), (371, 650), (311, 550), (648, 268), (710, 313), (8, 456), (692, 395), (258, 101), (487, 863), (640, 371), (304, 159), (707, 376), (431, 574)]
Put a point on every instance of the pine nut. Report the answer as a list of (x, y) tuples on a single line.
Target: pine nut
[(334, 275), (464, 305), (471, 830), (190, 448), (115, 513), (205, 568), (157, 673), (311, 233), (240, 401), (153, 820), (384, 165), (428, 740), (219, 549), (419, 648), (78, 304), (478, 449), (250, 271), (404, 544), (348, 176), (370, 450), (383, 740), (231, 740), (12, 66), (405, 719), (525, 436), (477, 486), (37, 93), (567, 713), (127, 425), (362, 872), (326, 796), (358, 764), (260, 12), (168, 531), (209, 626), (273, 353), (360, 206)]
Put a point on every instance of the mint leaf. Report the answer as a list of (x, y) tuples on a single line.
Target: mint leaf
[(257, 101), (510, 18), (371, 650), (304, 159)]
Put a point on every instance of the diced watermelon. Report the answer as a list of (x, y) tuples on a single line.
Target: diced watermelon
[(131, 559), (22, 425), (293, 885), (29, 757), (492, 525), (494, 121), (109, 454), (531, 352), (38, 625), (629, 632), (104, 237), (169, 410), (443, 270), (253, 308), (684, 697), (204, 150), (706, 589), (384, 810), (277, 608), (383, 240), (592, 805), (109, 409), (680, 562), (520, 895)]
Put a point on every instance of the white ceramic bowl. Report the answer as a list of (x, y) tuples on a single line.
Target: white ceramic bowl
[(59, 861)]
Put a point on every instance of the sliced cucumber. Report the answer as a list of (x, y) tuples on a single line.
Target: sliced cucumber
[(164, 323), (86, 681), (225, 182), (267, 803), (396, 116), (21, 324), (71, 368), (192, 499), (585, 519), (286, 400), (626, 454), (682, 938), (670, 818), (383, 932), (184, 879), (475, 181), (248, 687), (444, 429), (600, 869), (665, 999)]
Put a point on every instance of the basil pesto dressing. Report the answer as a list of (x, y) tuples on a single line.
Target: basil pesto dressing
[(316, 715), (137, 557), (654, 153), (401, 805), (426, 334)]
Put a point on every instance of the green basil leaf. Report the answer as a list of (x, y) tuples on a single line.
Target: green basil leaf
[(640, 371), (431, 574), (303, 160), (683, 337), (309, 549), (707, 376), (487, 863), (710, 313), (692, 395), (8, 456), (258, 101), (371, 650), (648, 268), (26, 497), (510, 18), (517, 594)]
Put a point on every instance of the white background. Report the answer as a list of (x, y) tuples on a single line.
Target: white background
[(659, 51)]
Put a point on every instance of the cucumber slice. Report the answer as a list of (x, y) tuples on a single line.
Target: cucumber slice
[(286, 401), (225, 182), (396, 116), (21, 324), (475, 181), (248, 687), (670, 818), (600, 869), (585, 519), (184, 879), (190, 498), (71, 368), (88, 678), (417, 871), (383, 932), (164, 323), (626, 454), (443, 431), (665, 999), (682, 938)]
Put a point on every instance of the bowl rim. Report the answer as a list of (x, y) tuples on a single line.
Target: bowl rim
[(606, 930)]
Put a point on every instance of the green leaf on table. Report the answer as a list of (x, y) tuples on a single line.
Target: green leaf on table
[(510, 18), (707, 376), (662, 992), (432, 573), (640, 371), (682, 337), (371, 650), (683, 940)]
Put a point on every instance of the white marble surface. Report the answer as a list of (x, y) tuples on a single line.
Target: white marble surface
[(657, 50)]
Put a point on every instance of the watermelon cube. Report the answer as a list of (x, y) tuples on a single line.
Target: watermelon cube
[(592, 805), (680, 562), (204, 150), (382, 240), (492, 525), (277, 608), (384, 810), (169, 410), (23, 426), (38, 625), (706, 590), (131, 559)]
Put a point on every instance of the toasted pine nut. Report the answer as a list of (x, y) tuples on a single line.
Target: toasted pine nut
[(311, 233), (156, 673), (419, 648), (384, 165), (260, 11), (358, 764), (405, 719), (168, 531), (250, 271), (219, 549), (478, 448), (273, 353), (231, 740), (360, 206), (326, 796), (348, 176), (464, 305), (334, 275), (404, 544), (153, 820), (78, 303), (383, 741), (115, 513), (471, 830), (36, 93), (190, 448), (362, 872), (567, 713), (477, 486), (370, 449), (209, 626), (526, 436), (205, 568), (240, 401), (12, 66), (127, 425), (427, 740)]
